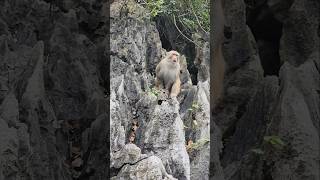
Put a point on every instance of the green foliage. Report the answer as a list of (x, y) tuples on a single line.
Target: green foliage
[(153, 92), (275, 141), (155, 7), (270, 144), (199, 144), (195, 106), (193, 15)]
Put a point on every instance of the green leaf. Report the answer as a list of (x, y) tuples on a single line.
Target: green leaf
[(200, 143), (274, 140)]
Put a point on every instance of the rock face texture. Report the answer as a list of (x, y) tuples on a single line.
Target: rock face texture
[(165, 126), (269, 114), (52, 81), (54, 96)]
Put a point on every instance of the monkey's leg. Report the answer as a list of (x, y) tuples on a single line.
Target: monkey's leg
[(175, 89), (158, 84)]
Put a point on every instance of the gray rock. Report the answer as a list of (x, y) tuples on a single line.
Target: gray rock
[(9, 110), (135, 165), (284, 107), (8, 152), (164, 136), (46, 83)]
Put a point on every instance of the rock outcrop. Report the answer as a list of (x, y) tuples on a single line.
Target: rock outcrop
[(164, 125), (54, 78), (269, 115), (52, 81)]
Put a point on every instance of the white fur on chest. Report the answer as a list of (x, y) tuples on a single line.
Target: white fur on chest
[(169, 76)]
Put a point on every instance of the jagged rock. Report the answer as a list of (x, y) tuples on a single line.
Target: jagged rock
[(130, 153), (299, 123), (251, 129), (216, 168), (135, 52), (97, 146), (52, 61), (202, 59), (10, 147), (258, 106), (149, 168), (37, 112), (135, 165), (9, 110), (185, 78), (200, 132), (8, 151), (164, 136)]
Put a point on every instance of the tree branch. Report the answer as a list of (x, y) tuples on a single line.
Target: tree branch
[(175, 23), (196, 17)]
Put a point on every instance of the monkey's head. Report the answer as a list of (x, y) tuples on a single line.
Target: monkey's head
[(173, 57)]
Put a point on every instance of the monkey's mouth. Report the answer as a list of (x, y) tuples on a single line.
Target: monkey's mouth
[(174, 61)]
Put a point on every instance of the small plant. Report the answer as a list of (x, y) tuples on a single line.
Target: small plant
[(195, 106), (155, 6), (153, 92), (277, 145), (274, 141), (199, 144), (188, 16)]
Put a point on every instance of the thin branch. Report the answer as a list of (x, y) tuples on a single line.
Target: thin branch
[(183, 14), (186, 26), (180, 33), (197, 17), (175, 23)]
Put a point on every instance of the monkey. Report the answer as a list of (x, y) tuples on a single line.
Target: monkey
[(168, 74), (218, 62)]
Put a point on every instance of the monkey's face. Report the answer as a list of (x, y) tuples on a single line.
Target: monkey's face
[(174, 58)]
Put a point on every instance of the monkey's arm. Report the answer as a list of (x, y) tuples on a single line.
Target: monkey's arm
[(175, 90)]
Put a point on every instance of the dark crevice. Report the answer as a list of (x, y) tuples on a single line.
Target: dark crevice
[(266, 167), (115, 171), (160, 102), (267, 31), (165, 42)]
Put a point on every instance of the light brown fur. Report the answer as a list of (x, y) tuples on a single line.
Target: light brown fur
[(218, 62), (168, 74)]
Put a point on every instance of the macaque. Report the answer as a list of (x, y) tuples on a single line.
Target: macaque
[(168, 74), (218, 62)]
